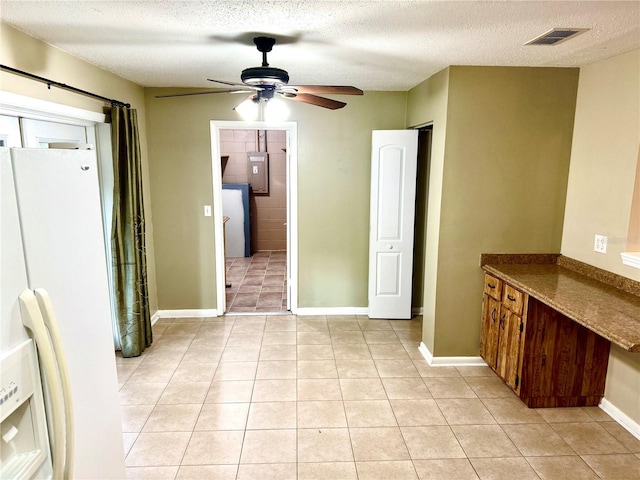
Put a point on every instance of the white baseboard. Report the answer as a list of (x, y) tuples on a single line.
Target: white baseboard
[(186, 313), (622, 418), (342, 311), (256, 314), (449, 361), (332, 311), (212, 312)]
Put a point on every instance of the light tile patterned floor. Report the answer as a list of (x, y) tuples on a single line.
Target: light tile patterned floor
[(257, 282), (280, 397)]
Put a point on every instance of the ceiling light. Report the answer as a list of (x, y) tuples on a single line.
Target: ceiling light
[(275, 110), (249, 109)]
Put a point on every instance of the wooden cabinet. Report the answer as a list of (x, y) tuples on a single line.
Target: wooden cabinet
[(546, 358), (502, 329), (490, 330)]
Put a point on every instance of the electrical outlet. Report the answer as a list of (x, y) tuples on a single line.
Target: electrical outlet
[(600, 244)]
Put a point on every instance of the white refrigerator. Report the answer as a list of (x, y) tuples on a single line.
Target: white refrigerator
[(25, 450), (60, 223)]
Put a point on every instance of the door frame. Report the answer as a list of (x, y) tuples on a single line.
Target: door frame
[(291, 129)]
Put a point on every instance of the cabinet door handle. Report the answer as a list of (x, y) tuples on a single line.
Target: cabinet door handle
[(513, 299), (493, 314), (491, 286), (502, 322)]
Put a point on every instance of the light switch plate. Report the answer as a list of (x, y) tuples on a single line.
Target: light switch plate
[(600, 244), (207, 210)]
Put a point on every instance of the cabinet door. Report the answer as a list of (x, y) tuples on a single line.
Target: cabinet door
[(511, 327), (490, 330)]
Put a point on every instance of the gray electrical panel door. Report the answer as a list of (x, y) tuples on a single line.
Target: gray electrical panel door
[(258, 169)]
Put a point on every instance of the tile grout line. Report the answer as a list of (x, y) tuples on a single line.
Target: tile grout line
[(405, 345)]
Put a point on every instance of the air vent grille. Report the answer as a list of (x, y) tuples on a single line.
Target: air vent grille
[(556, 36)]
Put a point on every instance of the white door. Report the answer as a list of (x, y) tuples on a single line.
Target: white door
[(394, 156)]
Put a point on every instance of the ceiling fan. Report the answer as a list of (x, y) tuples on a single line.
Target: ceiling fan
[(265, 82)]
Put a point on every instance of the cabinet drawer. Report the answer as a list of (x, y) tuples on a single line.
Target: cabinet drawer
[(513, 299), (492, 286)]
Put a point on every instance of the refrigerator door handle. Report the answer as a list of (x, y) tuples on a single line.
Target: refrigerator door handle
[(32, 319), (51, 322)]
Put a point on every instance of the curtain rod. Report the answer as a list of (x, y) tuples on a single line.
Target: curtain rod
[(50, 83)]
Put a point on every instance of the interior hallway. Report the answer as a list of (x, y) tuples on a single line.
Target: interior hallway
[(286, 397), (258, 283)]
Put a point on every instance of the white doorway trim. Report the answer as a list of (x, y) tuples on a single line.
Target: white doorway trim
[(292, 205), (28, 107)]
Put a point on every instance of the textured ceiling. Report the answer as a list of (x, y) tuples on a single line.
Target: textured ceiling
[(374, 45)]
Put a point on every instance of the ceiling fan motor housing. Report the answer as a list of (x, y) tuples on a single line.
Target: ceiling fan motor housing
[(264, 76)]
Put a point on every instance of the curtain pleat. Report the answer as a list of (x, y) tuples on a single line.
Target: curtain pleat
[(128, 235)]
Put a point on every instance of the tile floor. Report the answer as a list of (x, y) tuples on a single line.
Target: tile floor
[(280, 397), (257, 282)]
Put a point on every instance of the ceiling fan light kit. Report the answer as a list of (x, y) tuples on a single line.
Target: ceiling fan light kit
[(264, 83), (254, 108), (248, 109)]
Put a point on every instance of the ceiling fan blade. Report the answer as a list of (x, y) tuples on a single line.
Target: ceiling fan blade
[(242, 85), (205, 92), (318, 101), (328, 89)]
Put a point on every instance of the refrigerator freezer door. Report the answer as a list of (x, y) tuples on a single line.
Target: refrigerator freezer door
[(59, 207), (13, 275), (13, 335), (25, 446)]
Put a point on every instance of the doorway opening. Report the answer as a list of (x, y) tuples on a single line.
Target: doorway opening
[(254, 199), (254, 178), (425, 134)]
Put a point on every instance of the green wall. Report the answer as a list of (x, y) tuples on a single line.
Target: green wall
[(502, 185), (21, 51), (334, 150), (601, 177), (427, 104), (603, 162)]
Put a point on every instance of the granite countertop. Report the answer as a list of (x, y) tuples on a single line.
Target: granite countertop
[(604, 309)]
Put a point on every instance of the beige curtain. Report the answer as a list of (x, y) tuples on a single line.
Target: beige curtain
[(127, 235)]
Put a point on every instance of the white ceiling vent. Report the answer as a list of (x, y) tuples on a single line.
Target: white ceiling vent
[(556, 36)]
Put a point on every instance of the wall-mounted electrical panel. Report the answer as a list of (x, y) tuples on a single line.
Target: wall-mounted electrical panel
[(258, 169)]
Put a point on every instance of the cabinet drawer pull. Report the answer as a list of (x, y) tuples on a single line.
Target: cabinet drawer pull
[(513, 299), (491, 286)]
